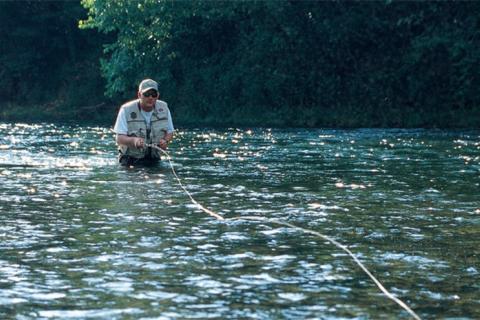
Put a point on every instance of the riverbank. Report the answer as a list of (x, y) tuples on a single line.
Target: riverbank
[(100, 113), (105, 113)]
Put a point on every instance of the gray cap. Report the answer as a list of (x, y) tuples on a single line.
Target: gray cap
[(146, 85)]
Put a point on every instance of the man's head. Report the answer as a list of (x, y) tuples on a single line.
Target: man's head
[(148, 94), (147, 85)]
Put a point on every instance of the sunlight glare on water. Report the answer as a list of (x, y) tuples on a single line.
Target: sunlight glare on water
[(50, 146), (81, 237)]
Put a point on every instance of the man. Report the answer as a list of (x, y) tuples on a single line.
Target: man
[(140, 122)]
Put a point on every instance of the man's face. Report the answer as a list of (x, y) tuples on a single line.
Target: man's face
[(148, 99)]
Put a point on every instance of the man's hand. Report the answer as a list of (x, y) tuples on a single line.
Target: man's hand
[(138, 143), (131, 142), (163, 143)]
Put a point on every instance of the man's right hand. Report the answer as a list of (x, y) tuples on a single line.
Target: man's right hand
[(138, 143), (131, 142)]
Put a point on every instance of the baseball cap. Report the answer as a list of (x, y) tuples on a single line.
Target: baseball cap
[(147, 84)]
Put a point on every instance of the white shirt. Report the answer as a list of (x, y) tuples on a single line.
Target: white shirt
[(121, 126)]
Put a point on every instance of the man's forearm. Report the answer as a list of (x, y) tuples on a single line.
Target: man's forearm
[(126, 140), (168, 136), (135, 142)]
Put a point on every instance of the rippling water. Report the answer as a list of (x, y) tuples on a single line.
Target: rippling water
[(81, 237)]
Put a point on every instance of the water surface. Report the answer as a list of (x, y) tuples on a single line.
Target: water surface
[(82, 238)]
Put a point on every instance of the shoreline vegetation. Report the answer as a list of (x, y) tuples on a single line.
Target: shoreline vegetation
[(384, 64), (105, 114)]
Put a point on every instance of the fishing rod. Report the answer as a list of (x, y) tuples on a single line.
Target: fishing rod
[(283, 223)]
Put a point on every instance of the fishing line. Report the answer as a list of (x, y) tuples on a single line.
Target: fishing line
[(283, 223)]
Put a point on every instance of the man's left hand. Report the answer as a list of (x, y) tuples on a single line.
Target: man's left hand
[(163, 144)]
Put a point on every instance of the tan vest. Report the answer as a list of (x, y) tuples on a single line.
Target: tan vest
[(137, 127)]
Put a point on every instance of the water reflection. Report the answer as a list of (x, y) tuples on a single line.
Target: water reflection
[(82, 238)]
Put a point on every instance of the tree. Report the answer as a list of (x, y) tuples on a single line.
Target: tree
[(45, 59), (300, 63)]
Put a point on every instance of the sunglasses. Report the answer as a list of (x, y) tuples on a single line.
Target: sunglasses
[(153, 94)]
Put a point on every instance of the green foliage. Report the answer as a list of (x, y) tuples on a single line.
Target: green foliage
[(300, 63), (49, 69), (249, 63)]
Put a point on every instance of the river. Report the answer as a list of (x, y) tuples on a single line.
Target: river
[(82, 238)]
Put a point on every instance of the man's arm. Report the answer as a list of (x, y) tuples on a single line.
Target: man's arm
[(131, 142), (121, 130), (165, 140), (169, 134)]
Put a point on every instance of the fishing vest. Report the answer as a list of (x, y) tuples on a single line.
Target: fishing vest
[(137, 127)]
